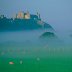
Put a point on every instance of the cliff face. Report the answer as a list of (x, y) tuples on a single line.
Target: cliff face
[(22, 24)]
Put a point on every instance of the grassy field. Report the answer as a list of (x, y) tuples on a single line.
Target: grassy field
[(36, 65), (34, 55)]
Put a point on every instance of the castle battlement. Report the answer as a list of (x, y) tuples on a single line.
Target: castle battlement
[(27, 15)]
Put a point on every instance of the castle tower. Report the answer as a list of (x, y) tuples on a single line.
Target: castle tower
[(20, 15), (27, 15), (1, 16), (16, 16), (38, 15)]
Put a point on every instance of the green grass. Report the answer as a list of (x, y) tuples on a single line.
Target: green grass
[(32, 65)]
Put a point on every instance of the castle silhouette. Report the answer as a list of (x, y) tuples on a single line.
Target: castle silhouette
[(23, 21)]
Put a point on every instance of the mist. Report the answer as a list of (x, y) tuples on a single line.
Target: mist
[(27, 44)]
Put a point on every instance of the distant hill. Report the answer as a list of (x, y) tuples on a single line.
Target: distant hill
[(48, 35)]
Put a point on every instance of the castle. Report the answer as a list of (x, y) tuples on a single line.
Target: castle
[(22, 21), (2, 16), (27, 15)]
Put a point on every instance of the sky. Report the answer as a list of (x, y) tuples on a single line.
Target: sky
[(58, 13)]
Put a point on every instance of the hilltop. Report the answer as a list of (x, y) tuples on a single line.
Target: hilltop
[(23, 21)]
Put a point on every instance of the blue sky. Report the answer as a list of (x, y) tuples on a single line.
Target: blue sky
[(58, 13)]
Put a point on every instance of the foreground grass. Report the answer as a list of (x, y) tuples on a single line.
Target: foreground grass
[(34, 65)]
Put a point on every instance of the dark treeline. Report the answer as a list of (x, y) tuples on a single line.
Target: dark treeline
[(21, 24)]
